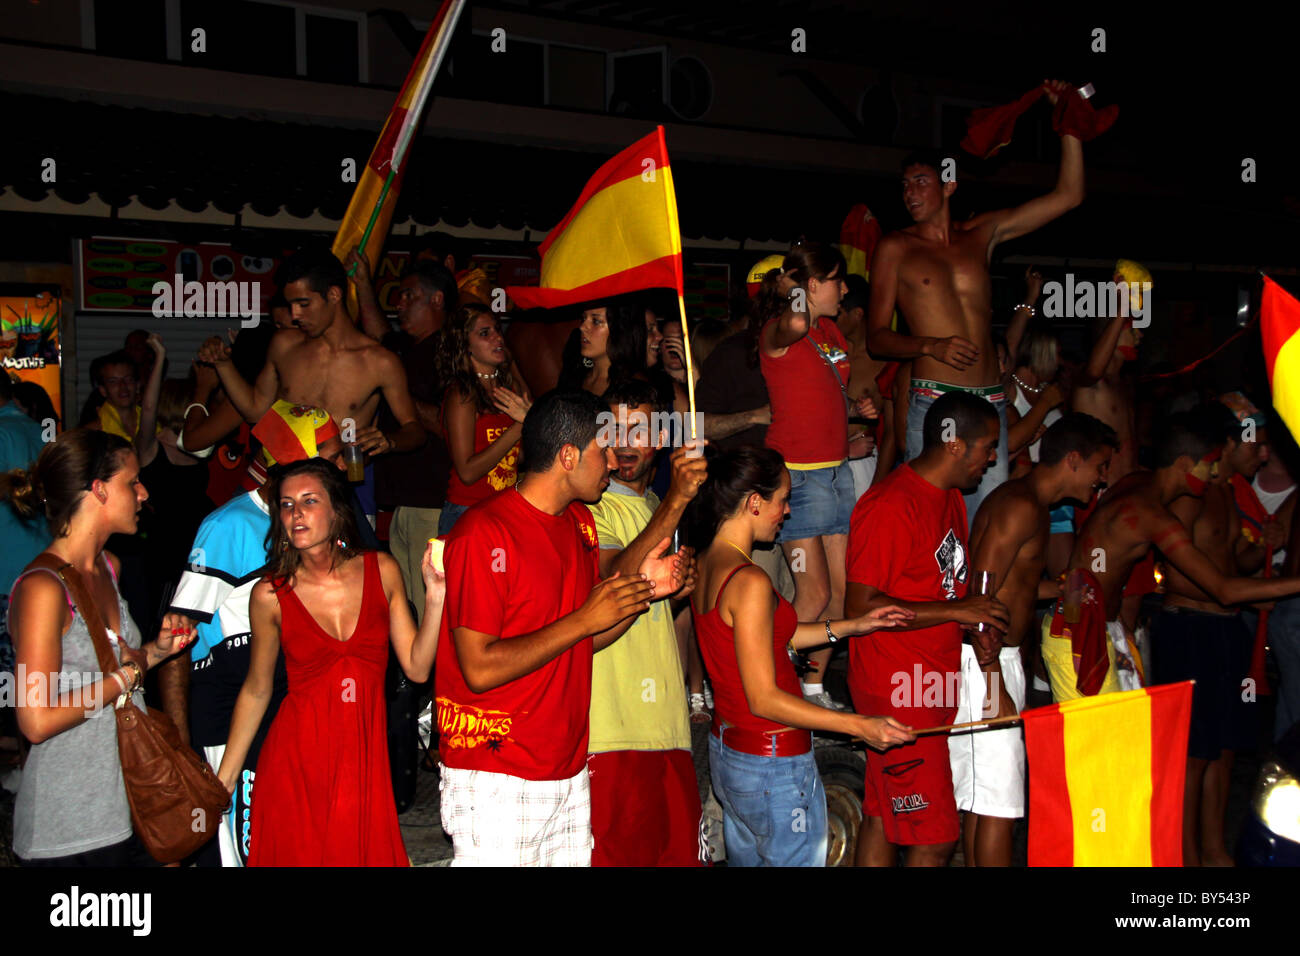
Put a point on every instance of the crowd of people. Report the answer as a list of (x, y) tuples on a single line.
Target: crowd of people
[(977, 518)]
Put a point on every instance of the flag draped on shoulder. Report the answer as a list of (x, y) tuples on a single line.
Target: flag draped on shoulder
[(370, 213), (620, 236), (1106, 778), (1279, 323)]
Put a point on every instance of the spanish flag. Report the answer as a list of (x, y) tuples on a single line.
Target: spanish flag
[(620, 236), (370, 213), (1279, 315), (1106, 778), (858, 237)]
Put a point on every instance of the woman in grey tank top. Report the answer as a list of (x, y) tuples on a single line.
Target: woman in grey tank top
[(72, 807)]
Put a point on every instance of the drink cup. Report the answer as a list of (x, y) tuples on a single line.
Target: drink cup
[(355, 459)]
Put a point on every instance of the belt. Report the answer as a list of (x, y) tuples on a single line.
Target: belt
[(789, 743)]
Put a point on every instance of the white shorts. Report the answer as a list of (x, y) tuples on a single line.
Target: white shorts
[(495, 819), (863, 470), (988, 766)]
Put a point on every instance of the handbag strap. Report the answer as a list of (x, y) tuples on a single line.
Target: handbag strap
[(85, 605), (839, 379)]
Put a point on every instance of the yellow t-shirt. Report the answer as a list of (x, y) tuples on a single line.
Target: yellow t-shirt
[(110, 420), (1059, 661), (638, 691)]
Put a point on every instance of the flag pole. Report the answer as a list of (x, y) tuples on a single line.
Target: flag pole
[(690, 369), (989, 722)]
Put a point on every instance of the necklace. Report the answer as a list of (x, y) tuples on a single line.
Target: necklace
[(742, 553), (495, 373), (1028, 388)]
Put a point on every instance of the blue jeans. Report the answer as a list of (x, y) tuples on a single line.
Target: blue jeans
[(1284, 638), (450, 515), (821, 502), (774, 808), (997, 472)]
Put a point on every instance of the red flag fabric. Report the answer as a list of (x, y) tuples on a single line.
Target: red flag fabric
[(990, 128)]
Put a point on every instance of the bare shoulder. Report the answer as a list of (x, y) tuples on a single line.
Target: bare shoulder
[(282, 342), (263, 594), (389, 572), (748, 587)]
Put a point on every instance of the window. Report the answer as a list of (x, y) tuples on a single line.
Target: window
[(134, 29)]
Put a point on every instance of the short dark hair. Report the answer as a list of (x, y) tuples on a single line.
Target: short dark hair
[(1220, 420), (859, 293), (435, 277), (1075, 432), (118, 357), (633, 392), (557, 419), (1186, 433), (278, 301), (968, 413), (319, 268), (923, 157)]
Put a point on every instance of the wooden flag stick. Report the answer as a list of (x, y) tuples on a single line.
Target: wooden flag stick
[(974, 723), (690, 369)]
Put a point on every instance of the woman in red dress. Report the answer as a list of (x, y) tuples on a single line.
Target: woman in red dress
[(324, 793)]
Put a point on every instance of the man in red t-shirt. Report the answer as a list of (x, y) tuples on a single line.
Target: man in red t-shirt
[(525, 610), (907, 546)]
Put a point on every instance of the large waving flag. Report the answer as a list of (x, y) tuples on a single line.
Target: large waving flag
[(370, 213), (858, 237), (1106, 778), (1279, 316), (620, 236)]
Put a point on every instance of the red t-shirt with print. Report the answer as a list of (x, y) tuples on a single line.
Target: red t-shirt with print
[(809, 419), (907, 539), (488, 427), (512, 570)]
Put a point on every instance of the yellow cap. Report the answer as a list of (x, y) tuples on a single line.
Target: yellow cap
[(763, 266), (1134, 273)]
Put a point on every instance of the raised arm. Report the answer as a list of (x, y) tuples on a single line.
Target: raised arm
[(373, 322), (255, 695), (251, 401), (146, 439), (1102, 351), (415, 647)]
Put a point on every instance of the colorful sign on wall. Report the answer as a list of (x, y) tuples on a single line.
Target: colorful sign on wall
[(117, 274), (29, 335)]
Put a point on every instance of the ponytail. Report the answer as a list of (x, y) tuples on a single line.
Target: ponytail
[(733, 476), (18, 487)]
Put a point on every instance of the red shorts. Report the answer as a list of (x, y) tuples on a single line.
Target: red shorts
[(645, 808), (913, 785)]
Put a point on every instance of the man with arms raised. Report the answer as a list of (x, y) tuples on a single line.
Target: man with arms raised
[(331, 364), (526, 610), (1009, 539), (1084, 642), (907, 547), (936, 272)]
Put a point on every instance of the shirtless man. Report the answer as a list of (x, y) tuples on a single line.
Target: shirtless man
[(936, 273), (326, 362), (1009, 539), (1197, 638), (1129, 519)]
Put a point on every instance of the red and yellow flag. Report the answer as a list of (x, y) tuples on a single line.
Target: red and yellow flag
[(370, 213), (1106, 778), (1279, 321), (858, 237), (620, 236)]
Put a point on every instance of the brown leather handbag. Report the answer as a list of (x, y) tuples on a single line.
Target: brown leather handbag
[(175, 797)]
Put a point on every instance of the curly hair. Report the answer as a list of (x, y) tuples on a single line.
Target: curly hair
[(455, 366)]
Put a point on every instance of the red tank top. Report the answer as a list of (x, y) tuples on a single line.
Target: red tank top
[(488, 427), (809, 420), (718, 648)]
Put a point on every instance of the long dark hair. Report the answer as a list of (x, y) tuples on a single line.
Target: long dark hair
[(734, 475), (65, 471), (625, 318), (456, 367), (283, 559)]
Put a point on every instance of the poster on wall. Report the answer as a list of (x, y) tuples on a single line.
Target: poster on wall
[(29, 335), (117, 274)]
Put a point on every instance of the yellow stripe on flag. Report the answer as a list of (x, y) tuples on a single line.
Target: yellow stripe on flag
[(1286, 382), (637, 211), (1108, 772)]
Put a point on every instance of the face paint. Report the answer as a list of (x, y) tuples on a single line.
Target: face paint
[(1197, 484)]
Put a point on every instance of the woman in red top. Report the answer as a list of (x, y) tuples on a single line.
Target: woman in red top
[(483, 410), (805, 362), (760, 752), (324, 789)]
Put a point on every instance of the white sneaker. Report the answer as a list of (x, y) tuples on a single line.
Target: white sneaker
[(824, 699)]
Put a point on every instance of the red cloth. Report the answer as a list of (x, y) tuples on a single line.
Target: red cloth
[(1253, 518), (885, 381), (915, 782), (809, 420), (989, 129), (645, 808), (1088, 638), (512, 570), (718, 648), (488, 427), (907, 538), (324, 788)]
